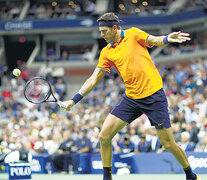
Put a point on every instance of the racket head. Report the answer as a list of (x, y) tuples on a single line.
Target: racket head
[(37, 90)]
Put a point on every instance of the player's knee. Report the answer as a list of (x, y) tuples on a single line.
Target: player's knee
[(104, 139), (168, 145)]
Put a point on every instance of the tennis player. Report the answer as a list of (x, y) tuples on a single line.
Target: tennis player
[(127, 52)]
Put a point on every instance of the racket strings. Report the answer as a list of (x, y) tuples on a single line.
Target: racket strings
[(37, 90)]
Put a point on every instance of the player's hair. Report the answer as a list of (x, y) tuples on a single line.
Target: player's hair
[(109, 17)]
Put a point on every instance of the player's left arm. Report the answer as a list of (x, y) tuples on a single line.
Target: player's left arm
[(174, 37)]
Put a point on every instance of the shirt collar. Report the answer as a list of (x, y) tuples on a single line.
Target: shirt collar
[(122, 36)]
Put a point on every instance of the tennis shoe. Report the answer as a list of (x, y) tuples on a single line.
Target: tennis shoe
[(197, 178)]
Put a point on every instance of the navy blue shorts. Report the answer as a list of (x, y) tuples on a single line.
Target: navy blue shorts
[(155, 107)]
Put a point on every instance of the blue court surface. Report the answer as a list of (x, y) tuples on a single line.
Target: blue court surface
[(115, 177)]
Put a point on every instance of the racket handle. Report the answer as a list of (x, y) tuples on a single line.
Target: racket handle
[(60, 103)]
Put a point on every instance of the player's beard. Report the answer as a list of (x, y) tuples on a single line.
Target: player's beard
[(108, 40)]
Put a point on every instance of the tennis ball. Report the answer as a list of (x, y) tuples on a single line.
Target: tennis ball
[(16, 72)]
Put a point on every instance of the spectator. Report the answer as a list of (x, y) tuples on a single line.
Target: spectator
[(115, 144), (60, 87), (65, 56), (51, 55), (95, 141), (202, 106), (62, 159), (144, 146), (185, 143), (194, 132), (84, 143), (28, 148), (87, 55), (6, 93), (4, 147), (176, 131), (70, 15), (89, 7), (39, 148), (134, 138), (154, 140), (126, 145), (3, 113), (202, 145), (41, 12)]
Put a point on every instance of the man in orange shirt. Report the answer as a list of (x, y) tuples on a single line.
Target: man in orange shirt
[(127, 52)]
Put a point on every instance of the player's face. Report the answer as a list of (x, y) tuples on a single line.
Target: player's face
[(107, 33)]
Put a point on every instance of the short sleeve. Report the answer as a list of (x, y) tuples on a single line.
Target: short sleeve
[(104, 63), (141, 37)]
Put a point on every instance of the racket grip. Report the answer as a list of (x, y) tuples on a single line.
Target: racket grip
[(60, 103)]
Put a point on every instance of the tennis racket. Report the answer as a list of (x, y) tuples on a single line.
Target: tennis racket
[(38, 90)]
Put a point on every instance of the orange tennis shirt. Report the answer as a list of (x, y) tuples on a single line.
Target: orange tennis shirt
[(131, 59)]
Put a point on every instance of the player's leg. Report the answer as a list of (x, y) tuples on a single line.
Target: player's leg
[(111, 126), (157, 112), (124, 113), (167, 140)]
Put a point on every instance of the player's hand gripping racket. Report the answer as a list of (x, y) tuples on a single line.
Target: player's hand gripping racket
[(38, 90)]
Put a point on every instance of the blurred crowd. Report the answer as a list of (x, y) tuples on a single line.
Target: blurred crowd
[(193, 4), (68, 53), (19, 117), (198, 42), (83, 53), (45, 129), (74, 9), (42, 128), (144, 8), (10, 11), (64, 10), (47, 9)]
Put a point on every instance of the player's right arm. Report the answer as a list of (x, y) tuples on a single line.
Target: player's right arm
[(91, 83), (88, 86)]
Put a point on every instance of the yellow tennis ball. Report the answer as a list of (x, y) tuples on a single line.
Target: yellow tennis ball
[(16, 72)]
